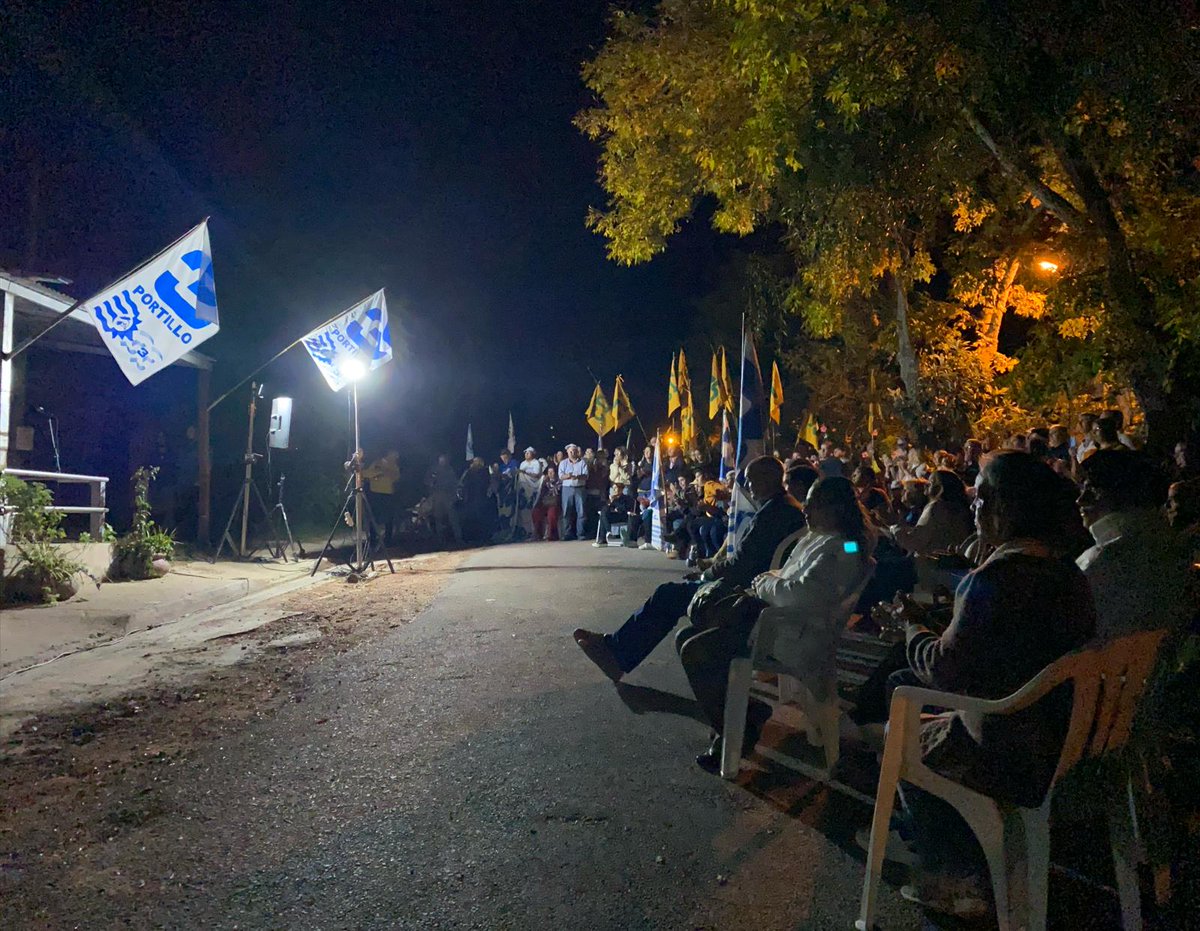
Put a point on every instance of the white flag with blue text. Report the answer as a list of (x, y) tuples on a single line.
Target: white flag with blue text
[(162, 311), (359, 338)]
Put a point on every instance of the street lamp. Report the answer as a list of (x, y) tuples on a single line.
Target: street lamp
[(1047, 265)]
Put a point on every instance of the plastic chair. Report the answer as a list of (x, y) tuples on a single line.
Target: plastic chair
[(815, 693), (1108, 681)]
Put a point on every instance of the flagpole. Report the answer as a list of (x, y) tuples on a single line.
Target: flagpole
[(285, 349), (30, 340)]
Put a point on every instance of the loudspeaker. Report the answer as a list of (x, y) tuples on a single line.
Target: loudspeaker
[(281, 423)]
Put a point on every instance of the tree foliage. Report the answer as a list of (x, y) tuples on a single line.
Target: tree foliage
[(905, 151)]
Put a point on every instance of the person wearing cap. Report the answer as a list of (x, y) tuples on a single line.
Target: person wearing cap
[(573, 472), (531, 465)]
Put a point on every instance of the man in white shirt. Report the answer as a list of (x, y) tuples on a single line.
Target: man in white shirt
[(1138, 569), (573, 472)]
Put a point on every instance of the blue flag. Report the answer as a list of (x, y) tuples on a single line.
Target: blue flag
[(750, 439), (656, 497)]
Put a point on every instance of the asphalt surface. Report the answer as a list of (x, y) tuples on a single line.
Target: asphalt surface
[(472, 770)]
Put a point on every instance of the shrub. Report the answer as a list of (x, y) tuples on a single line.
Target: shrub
[(133, 554), (42, 572)]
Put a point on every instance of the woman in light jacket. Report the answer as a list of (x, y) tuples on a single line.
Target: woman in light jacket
[(807, 599), (803, 616)]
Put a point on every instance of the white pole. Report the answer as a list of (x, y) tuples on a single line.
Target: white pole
[(358, 490), (6, 375)]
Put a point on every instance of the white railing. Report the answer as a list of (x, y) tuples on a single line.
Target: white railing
[(95, 511)]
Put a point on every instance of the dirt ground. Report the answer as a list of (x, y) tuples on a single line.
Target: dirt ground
[(70, 783)]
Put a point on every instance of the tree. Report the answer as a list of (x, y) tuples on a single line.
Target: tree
[(879, 137)]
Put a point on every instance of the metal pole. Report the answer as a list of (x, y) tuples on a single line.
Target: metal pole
[(6, 375), (249, 467), (358, 491)]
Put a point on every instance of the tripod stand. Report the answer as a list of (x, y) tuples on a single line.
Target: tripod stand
[(242, 504), (296, 548), (364, 550)]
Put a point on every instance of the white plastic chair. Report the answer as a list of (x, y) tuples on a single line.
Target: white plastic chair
[(1108, 681), (816, 694)]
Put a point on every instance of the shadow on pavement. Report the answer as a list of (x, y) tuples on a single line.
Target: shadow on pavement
[(642, 699)]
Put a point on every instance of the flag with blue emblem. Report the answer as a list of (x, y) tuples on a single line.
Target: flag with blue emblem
[(160, 311), (750, 440), (357, 339), (656, 497)]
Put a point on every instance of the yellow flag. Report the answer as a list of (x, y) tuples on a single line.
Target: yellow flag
[(672, 390), (622, 410), (714, 388), (597, 413), (808, 431), (776, 392), (684, 382)]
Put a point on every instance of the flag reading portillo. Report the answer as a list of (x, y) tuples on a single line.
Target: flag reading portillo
[(359, 337), (162, 310)]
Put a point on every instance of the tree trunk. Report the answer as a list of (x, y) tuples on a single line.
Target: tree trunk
[(905, 354), (988, 343)]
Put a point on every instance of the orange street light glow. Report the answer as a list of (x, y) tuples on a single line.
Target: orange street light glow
[(1048, 266)]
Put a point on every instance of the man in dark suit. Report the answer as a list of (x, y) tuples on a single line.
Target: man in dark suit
[(779, 515)]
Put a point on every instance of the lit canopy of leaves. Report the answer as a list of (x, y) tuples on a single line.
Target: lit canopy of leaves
[(897, 140)]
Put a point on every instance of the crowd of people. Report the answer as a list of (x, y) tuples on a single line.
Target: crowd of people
[(1053, 541)]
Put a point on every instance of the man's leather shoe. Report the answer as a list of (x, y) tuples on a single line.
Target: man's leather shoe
[(597, 650)]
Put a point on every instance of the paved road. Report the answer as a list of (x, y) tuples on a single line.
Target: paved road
[(472, 770)]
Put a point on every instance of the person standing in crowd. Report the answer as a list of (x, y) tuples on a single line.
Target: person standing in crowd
[(548, 511), (1085, 445), (1107, 431), (573, 472), (620, 475), (382, 476), (972, 454), (673, 467), (442, 483), (1183, 514), (507, 463), (1059, 452), (528, 491), (478, 509), (596, 489)]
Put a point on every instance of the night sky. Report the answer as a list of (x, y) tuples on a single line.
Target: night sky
[(423, 146)]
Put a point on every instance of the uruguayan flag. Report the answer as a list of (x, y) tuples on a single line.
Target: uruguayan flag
[(750, 440), (728, 462), (161, 311), (353, 344), (656, 498)]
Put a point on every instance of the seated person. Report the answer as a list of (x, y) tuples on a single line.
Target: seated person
[(1138, 570), (913, 498), (944, 523), (828, 563), (1022, 609), (618, 510), (778, 516), (1183, 514)]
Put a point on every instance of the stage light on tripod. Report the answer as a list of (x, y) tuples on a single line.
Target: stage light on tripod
[(353, 369)]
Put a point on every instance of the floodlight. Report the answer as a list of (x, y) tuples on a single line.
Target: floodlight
[(1048, 266), (353, 369)]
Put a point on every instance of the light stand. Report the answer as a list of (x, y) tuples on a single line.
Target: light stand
[(51, 424), (242, 504), (364, 555)]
